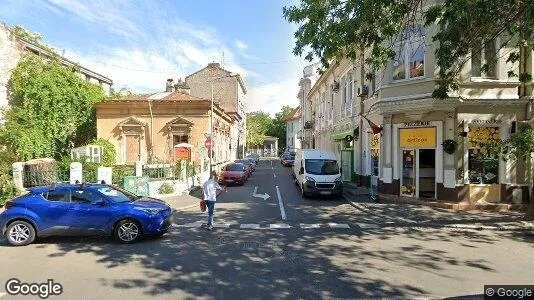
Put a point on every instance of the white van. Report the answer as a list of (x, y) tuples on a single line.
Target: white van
[(317, 173)]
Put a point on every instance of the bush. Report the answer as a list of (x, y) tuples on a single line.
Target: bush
[(8, 189), (110, 154), (166, 188)]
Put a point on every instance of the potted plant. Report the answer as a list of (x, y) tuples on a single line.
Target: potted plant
[(449, 146)]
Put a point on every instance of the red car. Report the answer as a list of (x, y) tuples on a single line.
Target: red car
[(287, 160), (233, 173)]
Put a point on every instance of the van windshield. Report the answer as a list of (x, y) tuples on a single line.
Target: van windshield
[(321, 166)]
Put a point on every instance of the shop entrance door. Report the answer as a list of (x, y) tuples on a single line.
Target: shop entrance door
[(346, 165), (418, 173)]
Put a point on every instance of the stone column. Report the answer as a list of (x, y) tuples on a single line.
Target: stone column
[(76, 173), (18, 169), (387, 170), (449, 133)]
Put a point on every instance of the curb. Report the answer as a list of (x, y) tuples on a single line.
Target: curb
[(411, 223)]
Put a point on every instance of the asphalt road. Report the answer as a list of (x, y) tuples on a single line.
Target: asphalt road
[(323, 249)]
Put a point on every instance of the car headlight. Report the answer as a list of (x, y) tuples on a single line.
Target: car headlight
[(150, 211), (310, 179)]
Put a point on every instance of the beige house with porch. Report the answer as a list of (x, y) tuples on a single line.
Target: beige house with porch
[(163, 127)]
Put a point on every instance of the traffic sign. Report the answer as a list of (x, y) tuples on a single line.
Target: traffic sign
[(208, 143)]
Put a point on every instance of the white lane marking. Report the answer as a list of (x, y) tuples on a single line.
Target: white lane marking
[(367, 226), (274, 175), (309, 226), (281, 204), (272, 165), (336, 225), (279, 226), (255, 190), (222, 225), (249, 226)]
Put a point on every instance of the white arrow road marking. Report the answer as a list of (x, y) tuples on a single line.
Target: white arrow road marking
[(2, 294), (310, 226), (336, 225), (279, 226), (263, 196), (281, 204), (250, 226)]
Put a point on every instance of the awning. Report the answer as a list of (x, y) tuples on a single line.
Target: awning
[(340, 135)]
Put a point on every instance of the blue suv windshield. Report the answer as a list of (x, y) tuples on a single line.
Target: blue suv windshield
[(117, 195)]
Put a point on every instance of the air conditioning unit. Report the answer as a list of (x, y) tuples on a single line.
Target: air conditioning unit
[(363, 90), (92, 152), (335, 86)]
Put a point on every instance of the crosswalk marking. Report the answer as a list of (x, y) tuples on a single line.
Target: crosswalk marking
[(309, 226), (250, 226), (279, 226), (222, 225), (367, 226), (336, 225)]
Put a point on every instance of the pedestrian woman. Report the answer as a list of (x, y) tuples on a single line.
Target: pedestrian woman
[(210, 188)]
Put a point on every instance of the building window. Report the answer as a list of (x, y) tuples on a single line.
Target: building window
[(331, 110), (343, 95), (485, 59), (375, 154), (179, 138), (409, 58), (483, 166)]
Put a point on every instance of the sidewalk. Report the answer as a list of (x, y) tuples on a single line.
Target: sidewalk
[(406, 215), (186, 200)]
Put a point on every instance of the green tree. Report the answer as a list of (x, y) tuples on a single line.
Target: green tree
[(258, 123), (336, 29), (52, 108), (278, 128)]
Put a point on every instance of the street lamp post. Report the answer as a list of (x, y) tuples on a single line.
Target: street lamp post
[(211, 117)]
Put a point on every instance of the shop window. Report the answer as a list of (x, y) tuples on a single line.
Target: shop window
[(483, 165), (375, 154)]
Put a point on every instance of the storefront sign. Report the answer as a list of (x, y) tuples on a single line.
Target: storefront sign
[(417, 124), (483, 122), (418, 137)]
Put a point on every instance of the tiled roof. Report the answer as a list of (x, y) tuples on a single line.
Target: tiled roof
[(294, 114), (164, 96)]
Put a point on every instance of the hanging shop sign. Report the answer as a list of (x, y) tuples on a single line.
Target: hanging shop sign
[(424, 137)]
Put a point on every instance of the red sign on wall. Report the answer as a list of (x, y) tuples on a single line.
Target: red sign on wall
[(182, 153)]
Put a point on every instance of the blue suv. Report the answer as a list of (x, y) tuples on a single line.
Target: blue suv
[(83, 209)]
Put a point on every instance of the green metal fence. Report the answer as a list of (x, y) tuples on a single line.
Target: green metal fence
[(32, 178)]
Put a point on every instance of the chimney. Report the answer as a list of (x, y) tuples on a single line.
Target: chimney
[(182, 87), (214, 65), (169, 86)]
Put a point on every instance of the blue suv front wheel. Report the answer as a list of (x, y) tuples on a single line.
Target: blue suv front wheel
[(127, 231)]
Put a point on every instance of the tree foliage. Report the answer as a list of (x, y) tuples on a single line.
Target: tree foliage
[(258, 124), (52, 109), (336, 29), (278, 128)]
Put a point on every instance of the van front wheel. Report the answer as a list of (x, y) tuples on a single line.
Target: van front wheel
[(302, 192)]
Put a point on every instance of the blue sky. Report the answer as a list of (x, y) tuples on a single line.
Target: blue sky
[(142, 43)]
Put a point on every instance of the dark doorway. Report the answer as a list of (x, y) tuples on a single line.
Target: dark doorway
[(427, 173)]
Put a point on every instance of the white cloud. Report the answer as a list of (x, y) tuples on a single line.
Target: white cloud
[(240, 45), (270, 97)]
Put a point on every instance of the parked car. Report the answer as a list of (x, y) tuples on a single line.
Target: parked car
[(287, 160), (317, 173), (83, 209), (248, 164), (254, 156), (233, 173)]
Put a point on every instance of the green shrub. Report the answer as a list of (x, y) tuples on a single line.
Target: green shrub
[(8, 189), (166, 188), (110, 154)]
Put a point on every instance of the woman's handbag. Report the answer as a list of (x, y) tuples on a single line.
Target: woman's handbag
[(202, 205)]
